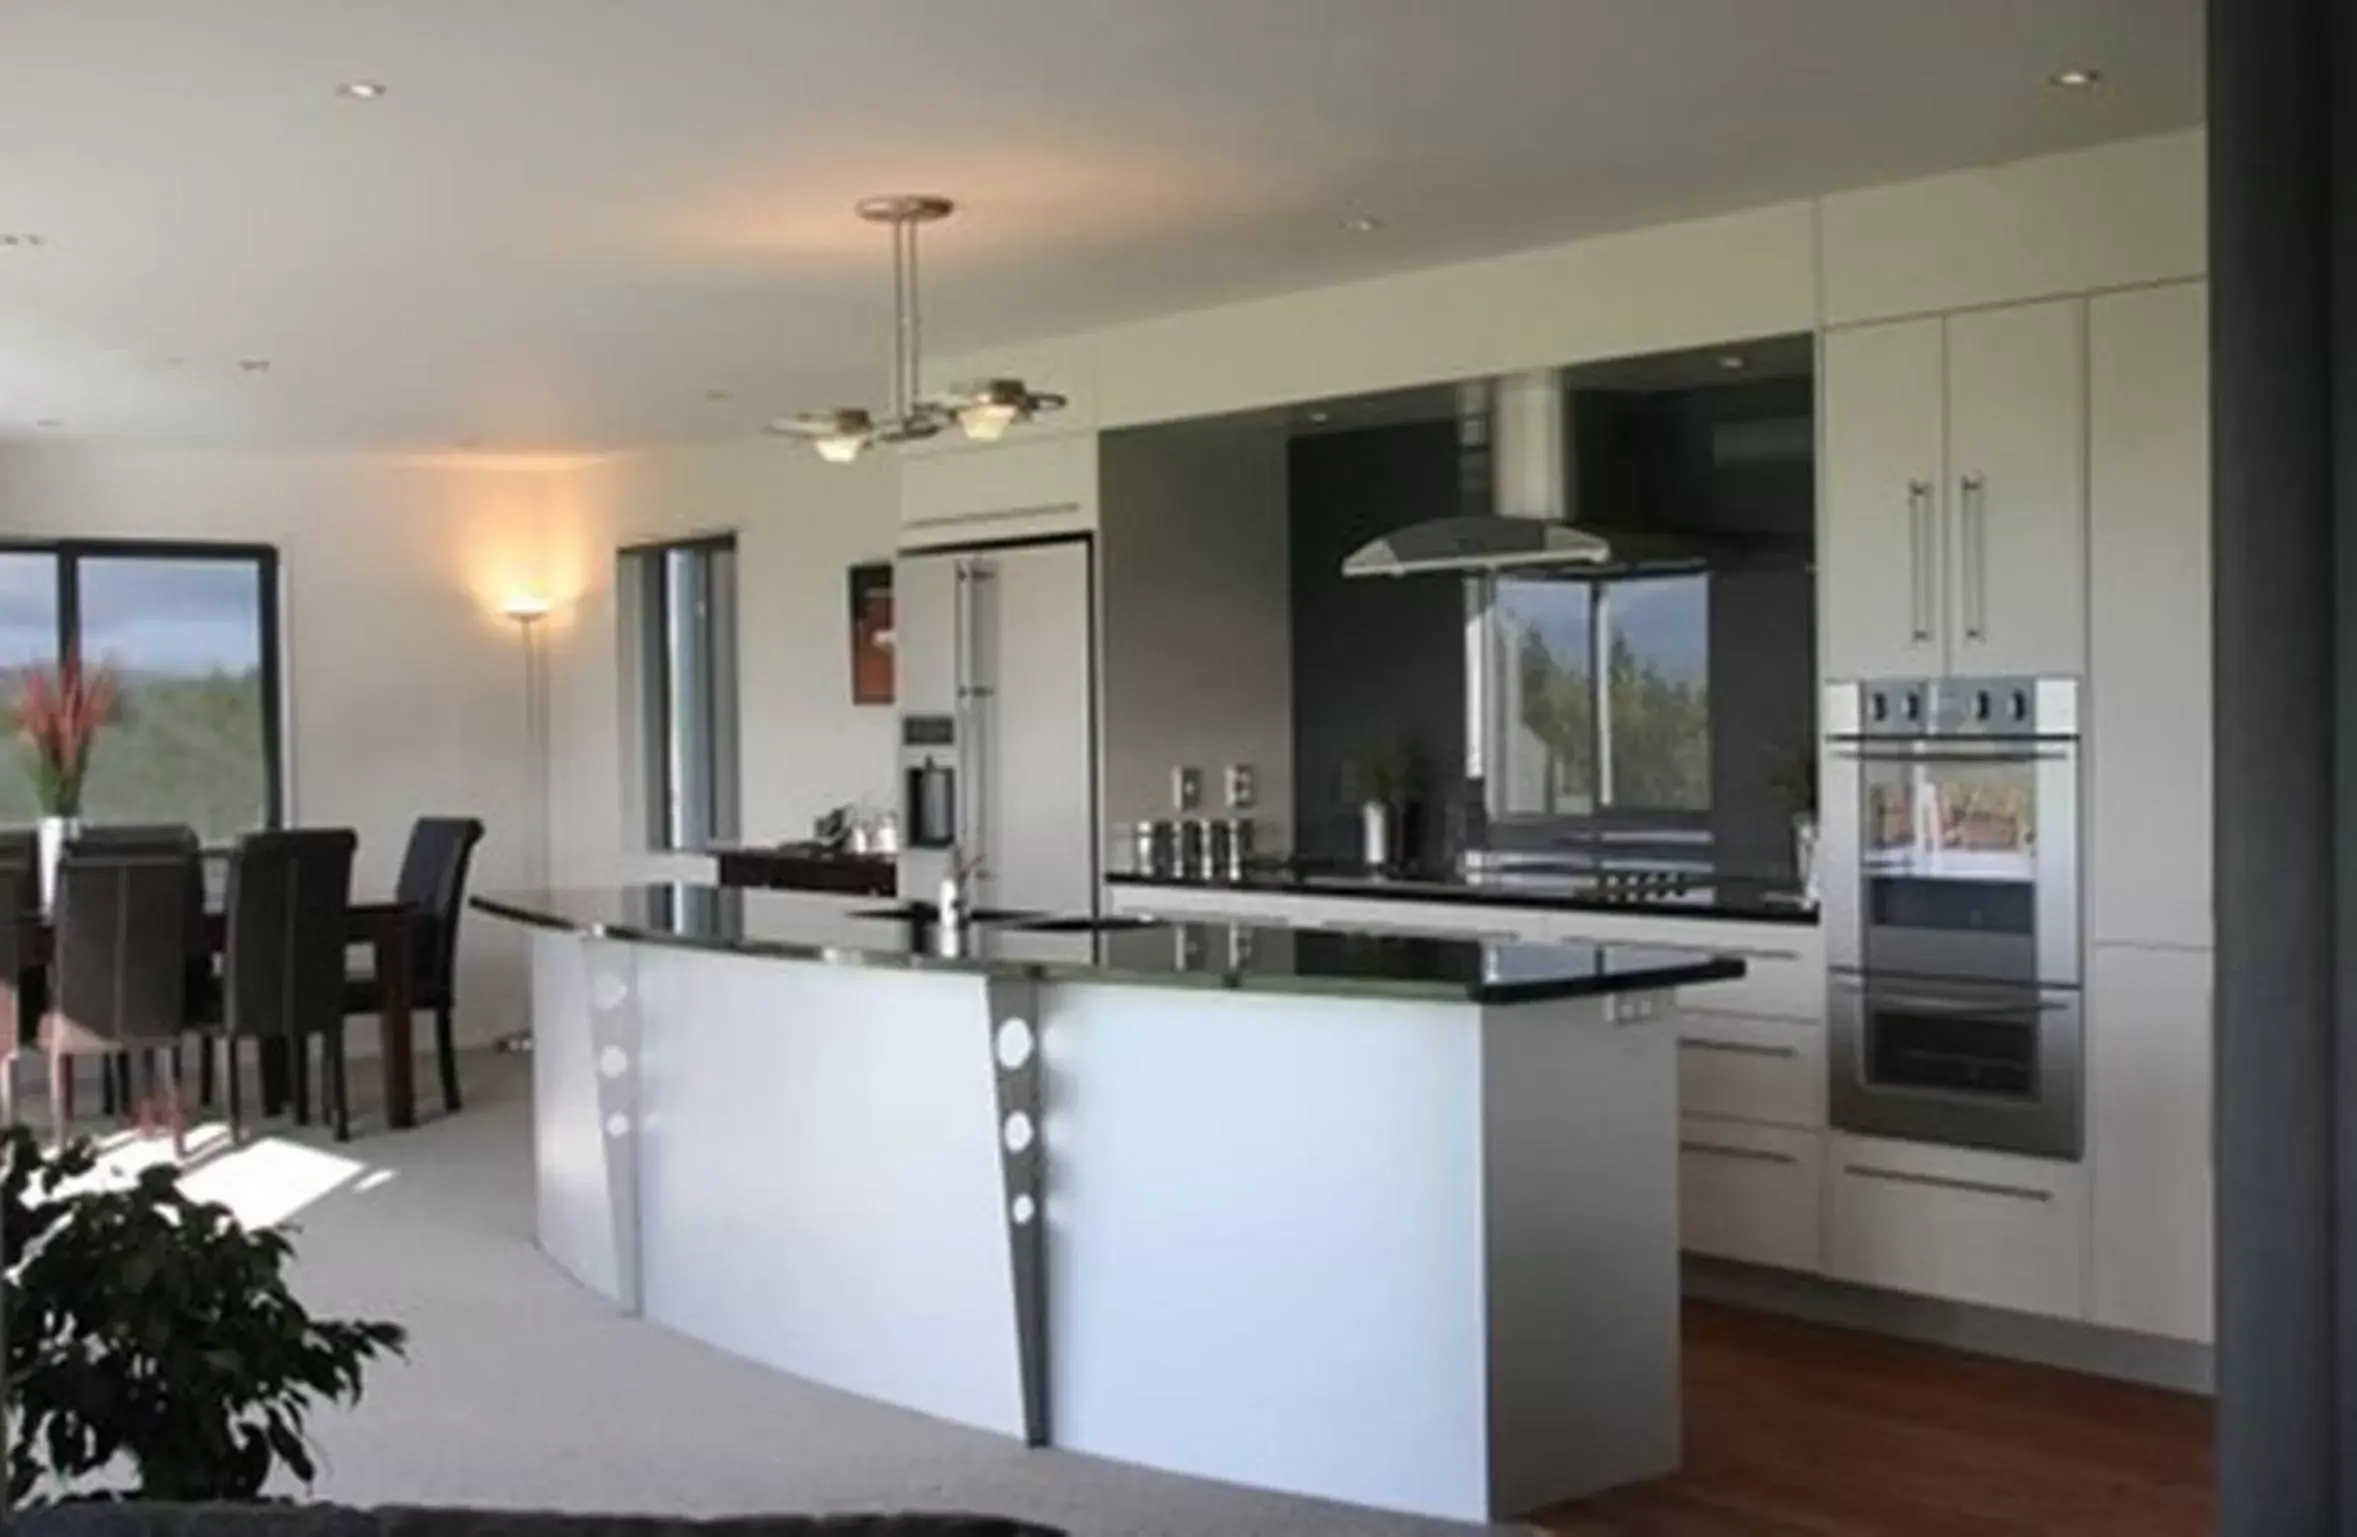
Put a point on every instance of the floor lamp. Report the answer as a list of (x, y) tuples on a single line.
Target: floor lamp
[(526, 611)]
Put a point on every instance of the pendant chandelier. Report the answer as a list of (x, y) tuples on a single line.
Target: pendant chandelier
[(982, 408)]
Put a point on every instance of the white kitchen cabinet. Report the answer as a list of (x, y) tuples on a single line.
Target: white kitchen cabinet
[(1039, 485), (2148, 1112), (1750, 1069), (2148, 845), (1751, 1193), (1954, 531), (1884, 394), (2015, 554), (1958, 1223)]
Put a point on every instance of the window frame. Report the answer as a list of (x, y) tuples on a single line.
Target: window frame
[(652, 699), (69, 555), (1607, 814)]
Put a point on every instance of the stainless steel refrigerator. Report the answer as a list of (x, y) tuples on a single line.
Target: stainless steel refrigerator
[(997, 690)]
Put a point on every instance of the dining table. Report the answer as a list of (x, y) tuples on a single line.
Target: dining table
[(387, 926)]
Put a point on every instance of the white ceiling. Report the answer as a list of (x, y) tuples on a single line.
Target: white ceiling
[(569, 220)]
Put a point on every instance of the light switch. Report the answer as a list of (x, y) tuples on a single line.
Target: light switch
[(1186, 788), (1240, 787)]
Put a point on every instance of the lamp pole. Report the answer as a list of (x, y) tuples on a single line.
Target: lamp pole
[(527, 613)]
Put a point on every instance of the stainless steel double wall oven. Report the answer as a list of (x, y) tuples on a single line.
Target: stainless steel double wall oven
[(1951, 833)]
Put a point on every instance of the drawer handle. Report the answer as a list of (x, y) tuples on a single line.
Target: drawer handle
[(1747, 1154), (1943, 1182), (1737, 1048)]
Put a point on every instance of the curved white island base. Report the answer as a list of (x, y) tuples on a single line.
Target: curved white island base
[(1391, 1248)]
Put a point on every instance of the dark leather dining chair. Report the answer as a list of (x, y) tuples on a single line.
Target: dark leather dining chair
[(432, 885), (23, 983), (175, 840), (282, 963), (118, 974)]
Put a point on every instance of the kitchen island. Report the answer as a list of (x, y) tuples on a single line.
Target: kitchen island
[(1383, 1218)]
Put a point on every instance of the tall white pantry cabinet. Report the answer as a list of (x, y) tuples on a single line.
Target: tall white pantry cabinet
[(2024, 489)]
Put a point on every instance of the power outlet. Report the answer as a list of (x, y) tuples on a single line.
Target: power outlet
[(1186, 788), (1242, 789)]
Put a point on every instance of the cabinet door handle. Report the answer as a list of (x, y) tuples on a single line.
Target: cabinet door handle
[(1729, 1150), (1737, 1048), (1943, 1182), (1920, 583), (1973, 508)]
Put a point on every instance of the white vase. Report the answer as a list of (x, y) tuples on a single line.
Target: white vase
[(1804, 853), (55, 833), (1375, 835)]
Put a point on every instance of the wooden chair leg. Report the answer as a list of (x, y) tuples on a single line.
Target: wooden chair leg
[(339, 1084), (175, 1113), (8, 1066), (446, 1051), (237, 1119), (61, 1103), (298, 1072)]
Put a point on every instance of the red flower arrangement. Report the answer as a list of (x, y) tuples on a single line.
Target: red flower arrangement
[(59, 711)]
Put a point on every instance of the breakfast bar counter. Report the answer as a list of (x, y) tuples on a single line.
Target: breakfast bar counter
[(1383, 1218)]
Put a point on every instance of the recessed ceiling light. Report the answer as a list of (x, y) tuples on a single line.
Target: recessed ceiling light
[(716, 396), (174, 362), (21, 238), (2076, 79), (1362, 224), (1733, 362), (254, 365), (50, 423), (1319, 418), (361, 90)]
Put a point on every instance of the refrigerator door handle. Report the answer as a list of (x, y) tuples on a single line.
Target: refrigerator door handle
[(974, 745)]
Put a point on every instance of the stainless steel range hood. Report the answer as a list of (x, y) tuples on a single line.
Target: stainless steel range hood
[(1514, 478)]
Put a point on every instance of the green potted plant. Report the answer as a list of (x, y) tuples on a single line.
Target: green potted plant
[(59, 712), (151, 1333)]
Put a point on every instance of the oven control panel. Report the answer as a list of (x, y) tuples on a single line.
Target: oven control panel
[(1954, 707)]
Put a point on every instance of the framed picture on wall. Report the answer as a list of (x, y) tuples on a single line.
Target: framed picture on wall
[(871, 633)]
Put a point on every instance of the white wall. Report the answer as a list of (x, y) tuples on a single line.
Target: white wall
[(404, 688), (1195, 630), (800, 524)]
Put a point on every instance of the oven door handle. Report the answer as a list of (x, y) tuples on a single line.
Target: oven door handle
[(1924, 1004), (1951, 755)]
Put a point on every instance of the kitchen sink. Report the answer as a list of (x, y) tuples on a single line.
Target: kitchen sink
[(1112, 923)]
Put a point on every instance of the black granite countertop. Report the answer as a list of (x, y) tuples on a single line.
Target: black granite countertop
[(1664, 893), (1249, 957)]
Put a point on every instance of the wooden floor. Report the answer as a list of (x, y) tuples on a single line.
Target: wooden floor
[(1798, 1430)]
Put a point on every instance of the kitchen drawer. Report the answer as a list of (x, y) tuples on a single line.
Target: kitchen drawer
[(1958, 1223), (1751, 1193), (1746, 1069), (1782, 986)]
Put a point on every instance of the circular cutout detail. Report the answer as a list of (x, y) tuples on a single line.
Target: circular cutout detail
[(617, 1125), (1018, 1132), (1014, 1043), (1023, 1210), (613, 1062)]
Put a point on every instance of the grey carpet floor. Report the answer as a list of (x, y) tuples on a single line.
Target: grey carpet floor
[(521, 1390)]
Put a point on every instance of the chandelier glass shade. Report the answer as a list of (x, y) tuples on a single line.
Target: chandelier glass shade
[(983, 409)]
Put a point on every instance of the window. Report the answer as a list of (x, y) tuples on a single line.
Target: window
[(190, 632), (679, 634), (1573, 738)]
